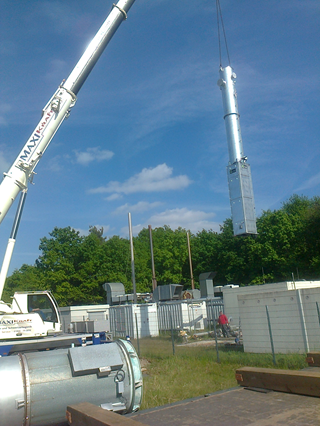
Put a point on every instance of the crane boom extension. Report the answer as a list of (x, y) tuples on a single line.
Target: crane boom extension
[(56, 110)]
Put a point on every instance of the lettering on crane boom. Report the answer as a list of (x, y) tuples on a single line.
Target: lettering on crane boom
[(36, 137)]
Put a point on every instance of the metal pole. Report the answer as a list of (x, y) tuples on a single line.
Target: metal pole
[(132, 256), (189, 319), (303, 322), (11, 242), (270, 332), (318, 311), (154, 282), (138, 349), (173, 344), (211, 310), (216, 345), (190, 260)]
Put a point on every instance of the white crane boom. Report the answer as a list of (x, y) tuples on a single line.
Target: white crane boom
[(56, 110), (35, 314)]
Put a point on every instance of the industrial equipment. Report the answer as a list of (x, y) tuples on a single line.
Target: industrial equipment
[(38, 386), (20, 319), (238, 170), (206, 284), (168, 292)]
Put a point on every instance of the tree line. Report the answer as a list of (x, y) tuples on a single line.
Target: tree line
[(74, 267)]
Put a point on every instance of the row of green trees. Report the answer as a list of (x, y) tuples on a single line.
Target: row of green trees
[(74, 267)]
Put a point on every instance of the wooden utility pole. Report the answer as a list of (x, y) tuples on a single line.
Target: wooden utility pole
[(132, 256), (154, 282), (190, 260)]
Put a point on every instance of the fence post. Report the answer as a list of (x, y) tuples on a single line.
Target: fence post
[(215, 334), (138, 349), (270, 332), (303, 322), (173, 345), (189, 319)]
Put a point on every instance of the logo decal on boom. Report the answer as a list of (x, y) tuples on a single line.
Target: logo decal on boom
[(36, 137)]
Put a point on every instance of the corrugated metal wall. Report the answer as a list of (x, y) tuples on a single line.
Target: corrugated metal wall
[(172, 312), (121, 320), (213, 308), (170, 315)]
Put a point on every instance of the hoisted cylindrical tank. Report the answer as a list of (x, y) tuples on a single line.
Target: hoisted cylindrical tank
[(37, 387), (231, 114)]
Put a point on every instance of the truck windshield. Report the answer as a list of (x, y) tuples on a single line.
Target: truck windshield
[(42, 305)]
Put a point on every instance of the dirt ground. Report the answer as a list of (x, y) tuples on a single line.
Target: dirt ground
[(209, 342)]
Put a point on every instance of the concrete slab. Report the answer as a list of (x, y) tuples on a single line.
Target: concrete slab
[(236, 407)]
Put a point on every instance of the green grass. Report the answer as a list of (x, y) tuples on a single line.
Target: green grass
[(194, 371)]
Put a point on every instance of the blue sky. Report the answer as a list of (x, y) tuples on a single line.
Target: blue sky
[(147, 133)]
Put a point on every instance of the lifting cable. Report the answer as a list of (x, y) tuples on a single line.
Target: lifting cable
[(220, 19)]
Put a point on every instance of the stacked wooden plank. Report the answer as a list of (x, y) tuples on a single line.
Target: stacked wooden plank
[(299, 382), (87, 414)]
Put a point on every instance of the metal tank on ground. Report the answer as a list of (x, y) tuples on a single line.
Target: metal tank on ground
[(37, 387)]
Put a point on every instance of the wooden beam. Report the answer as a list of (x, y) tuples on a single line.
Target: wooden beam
[(87, 414), (313, 359), (297, 382)]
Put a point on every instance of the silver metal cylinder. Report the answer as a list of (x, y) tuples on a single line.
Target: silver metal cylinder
[(238, 170), (231, 114), (36, 388)]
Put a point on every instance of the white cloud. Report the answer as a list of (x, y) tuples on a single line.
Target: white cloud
[(4, 164), (309, 183), (192, 220), (92, 154), (4, 108), (148, 180), (83, 232), (138, 207), (57, 68), (57, 163), (174, 94), (114, 196)]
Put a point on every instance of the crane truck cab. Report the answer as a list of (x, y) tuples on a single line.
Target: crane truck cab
[(31, 314)]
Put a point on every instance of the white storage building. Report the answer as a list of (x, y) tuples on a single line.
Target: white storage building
[(288, 320), (230, 294)]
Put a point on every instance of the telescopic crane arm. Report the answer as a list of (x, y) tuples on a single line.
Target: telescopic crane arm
[(56, 110)]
